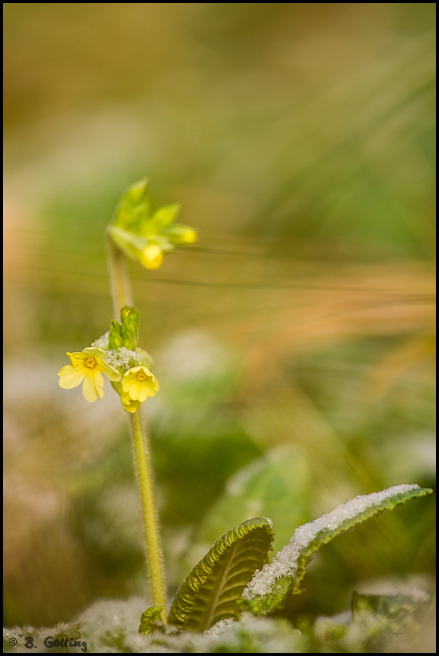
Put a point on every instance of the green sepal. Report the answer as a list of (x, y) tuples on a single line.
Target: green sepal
[(143, 358), (129, 243), (212, 590), (134, 208), (162, 241), (161, 219), (150, 620), (115, 339), (130, 327)]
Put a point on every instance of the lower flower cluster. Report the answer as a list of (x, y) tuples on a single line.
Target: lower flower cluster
[(132, 379)]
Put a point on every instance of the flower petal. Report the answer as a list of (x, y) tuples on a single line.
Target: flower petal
[(110, 372), (94, 351), (135, 390), (128, 379), (70, 377), (77, 359), (148, 389), (128, 404), (143, 393), (92, 387)]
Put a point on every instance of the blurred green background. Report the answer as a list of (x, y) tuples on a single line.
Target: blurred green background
[(294, 343)]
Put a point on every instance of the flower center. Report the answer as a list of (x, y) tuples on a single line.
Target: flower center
[(90, 363), (141, 375)]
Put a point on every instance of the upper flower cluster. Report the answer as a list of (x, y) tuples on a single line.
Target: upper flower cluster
[(145, 236), (128, 369)]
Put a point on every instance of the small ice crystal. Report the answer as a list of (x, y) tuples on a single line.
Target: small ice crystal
[(285, 562), (123, 357), (103, 342)]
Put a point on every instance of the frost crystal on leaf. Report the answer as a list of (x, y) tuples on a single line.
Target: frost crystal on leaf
[(285, 562)]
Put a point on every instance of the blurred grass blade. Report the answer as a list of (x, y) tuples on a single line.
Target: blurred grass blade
[(269, 587), (211, 591)]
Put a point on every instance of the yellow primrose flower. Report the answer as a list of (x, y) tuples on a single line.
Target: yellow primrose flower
[(86, 368), (139, 383)]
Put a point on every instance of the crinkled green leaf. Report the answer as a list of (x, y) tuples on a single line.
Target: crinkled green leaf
[(150, 620), (269, 587), (211, 591)]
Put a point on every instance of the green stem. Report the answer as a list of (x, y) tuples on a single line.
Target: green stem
[(120, 284), (121, 294), (152, 537)]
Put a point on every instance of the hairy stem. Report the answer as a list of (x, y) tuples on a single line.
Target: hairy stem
[(152, 536), (121, 294), (120, 284)]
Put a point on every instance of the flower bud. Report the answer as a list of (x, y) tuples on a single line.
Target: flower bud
[(151, 256), (130, 327), (180, 234), (115, 338)]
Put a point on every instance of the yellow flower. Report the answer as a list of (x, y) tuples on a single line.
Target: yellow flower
[(151, 256), (139, 383), (86, 368)]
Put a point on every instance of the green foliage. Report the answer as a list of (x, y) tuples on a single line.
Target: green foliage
[(268, 588), (208, 617), (211, 591)]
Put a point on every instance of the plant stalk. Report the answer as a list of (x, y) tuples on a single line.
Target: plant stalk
[(152, 536), (120, 284), (121, 295)]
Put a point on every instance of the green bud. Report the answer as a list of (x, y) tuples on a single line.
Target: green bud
[(143, 236), (115, 338), (180, 234), (130, 327)]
